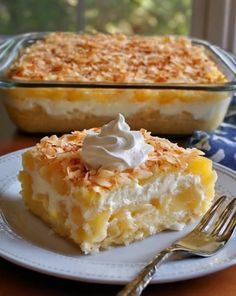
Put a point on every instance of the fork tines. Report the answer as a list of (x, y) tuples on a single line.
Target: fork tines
[(223, 225)]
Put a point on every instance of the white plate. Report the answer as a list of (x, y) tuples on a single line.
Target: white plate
[(26, 241)]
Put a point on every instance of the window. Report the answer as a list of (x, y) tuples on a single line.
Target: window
[(139, 16), (213, 20), (127, 16)]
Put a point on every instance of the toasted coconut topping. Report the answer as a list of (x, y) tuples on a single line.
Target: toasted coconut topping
[(66, 149), (115, 58)]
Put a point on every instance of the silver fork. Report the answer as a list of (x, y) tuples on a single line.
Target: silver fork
[(207, 238)]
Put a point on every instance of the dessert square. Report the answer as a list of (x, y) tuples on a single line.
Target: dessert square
[(112, 186)]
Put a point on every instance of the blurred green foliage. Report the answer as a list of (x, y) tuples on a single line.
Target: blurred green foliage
[(127, 16)]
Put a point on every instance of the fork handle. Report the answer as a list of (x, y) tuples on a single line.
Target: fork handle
[(139, 283)]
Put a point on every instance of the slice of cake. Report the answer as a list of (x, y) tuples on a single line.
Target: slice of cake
[(112, 186)]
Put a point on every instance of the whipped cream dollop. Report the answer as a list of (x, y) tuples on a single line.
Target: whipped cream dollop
[(115, 147)]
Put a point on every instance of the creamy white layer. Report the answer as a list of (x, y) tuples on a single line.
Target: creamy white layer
[(161, 187), (202, 110)]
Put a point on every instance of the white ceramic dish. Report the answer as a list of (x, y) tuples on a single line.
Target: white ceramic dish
[(26, 241)]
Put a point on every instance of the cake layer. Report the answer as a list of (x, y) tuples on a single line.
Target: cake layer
[(161, 112), (38, 120), (205, 107)]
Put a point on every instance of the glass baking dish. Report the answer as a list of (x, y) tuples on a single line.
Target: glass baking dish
[(162, 108)]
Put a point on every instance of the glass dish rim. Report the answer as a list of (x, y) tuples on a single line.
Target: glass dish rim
[(227, 59)]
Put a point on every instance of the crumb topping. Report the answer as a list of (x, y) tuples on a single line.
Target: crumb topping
[(115, 58), (65, 151)]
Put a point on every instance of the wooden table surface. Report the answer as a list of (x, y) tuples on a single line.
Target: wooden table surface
[(18, 281)]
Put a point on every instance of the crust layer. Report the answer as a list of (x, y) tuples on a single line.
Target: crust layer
[(37, 120)]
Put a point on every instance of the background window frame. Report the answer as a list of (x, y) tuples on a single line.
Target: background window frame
[(215, 21)]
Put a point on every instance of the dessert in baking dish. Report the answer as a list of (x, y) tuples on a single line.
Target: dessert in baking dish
[(65, 57), (112, 186)]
